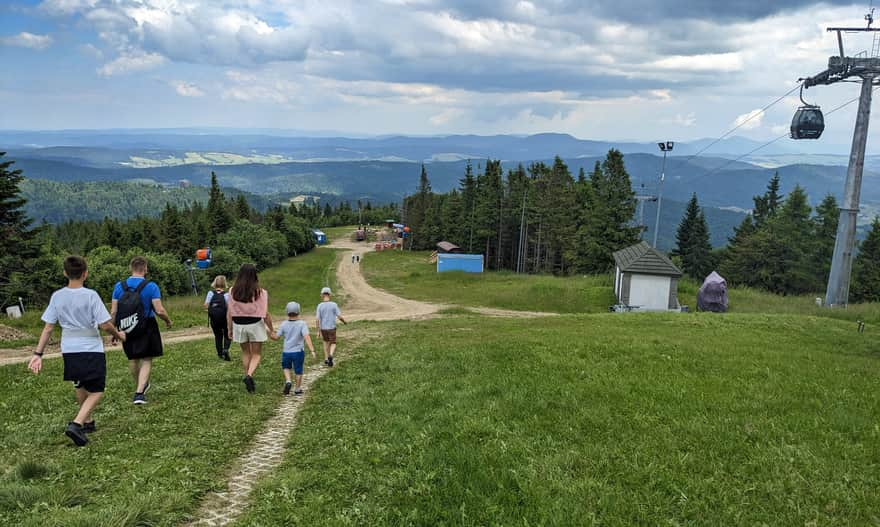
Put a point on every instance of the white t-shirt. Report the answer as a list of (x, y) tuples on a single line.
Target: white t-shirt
[(79, 312)]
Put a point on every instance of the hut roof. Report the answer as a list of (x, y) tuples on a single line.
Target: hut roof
[(448, 247), (641, 258)]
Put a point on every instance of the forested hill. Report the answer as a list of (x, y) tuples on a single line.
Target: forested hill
[(56, 202)]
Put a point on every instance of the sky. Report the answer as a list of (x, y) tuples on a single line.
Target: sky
[(606, 69)]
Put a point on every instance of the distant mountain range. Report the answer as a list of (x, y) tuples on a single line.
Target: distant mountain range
[(279, 165)]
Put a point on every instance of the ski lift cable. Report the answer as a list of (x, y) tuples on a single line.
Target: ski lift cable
[(740, 125), (765, 145)]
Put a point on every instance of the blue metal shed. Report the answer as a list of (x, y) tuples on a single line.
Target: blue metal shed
[(320, 237), (469, 263)]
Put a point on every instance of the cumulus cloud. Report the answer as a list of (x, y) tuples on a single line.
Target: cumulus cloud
[(27, 40), (187, 89), (750, 120), (131, 63)]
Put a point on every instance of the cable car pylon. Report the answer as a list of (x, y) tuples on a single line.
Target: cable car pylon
[(842, 68)]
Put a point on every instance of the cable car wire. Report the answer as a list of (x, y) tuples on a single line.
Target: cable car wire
[(765, 145), (740, 125)]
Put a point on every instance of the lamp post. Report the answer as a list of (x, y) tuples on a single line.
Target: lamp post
[(665, 147)]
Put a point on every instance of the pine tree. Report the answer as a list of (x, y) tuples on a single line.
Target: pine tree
[(686, 227), (17, 239), (488, 204), (692, 242), (824, 234), (767, 205), (172, 236), (242, 208), (218, 218), (608, 225), (866, 268), (468, 186)]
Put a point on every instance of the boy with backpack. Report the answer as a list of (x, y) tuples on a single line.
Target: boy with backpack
[(136, 304), (216, 303), (295, 332), (326, 316), (81, 313)]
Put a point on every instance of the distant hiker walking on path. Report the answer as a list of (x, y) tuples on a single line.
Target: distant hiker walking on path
[(136, 304), (80, 312), (326, 315), (216, 303), (248, 317), (295, 332)]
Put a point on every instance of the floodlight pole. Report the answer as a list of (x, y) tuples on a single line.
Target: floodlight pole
[(665, 147)]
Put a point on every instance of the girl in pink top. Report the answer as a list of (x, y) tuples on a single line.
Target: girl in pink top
[(248, 318)]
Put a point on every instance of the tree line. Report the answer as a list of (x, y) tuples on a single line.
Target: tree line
[(541, 219), (537, 219), (30, 255)]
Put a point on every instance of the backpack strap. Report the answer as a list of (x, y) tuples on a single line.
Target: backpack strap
[(141, 286)]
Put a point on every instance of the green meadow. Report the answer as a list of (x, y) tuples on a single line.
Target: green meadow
[(411, 275), (624, 419), (145, 465), (767, 415)]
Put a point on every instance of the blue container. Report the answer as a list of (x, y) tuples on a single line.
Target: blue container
[(469, 263), (203, 264), (320, 237)]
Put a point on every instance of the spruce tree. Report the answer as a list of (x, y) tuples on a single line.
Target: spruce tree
[(692, 242), (17, 239), (218, 218), (767, 205), (468, 186), (686, 227), (242, 208), (824, 234), (866, 268), (610, 216), (172, 236)]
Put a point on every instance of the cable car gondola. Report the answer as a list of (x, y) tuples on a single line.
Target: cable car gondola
[(808, 121)]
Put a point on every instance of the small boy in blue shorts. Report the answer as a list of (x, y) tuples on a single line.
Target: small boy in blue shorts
[(295, 332)]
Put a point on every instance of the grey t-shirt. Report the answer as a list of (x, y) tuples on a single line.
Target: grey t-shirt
[(79, 312), (294, 333), (326, 314)]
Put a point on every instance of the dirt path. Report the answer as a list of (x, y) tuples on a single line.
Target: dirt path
[(365, 302), (267, 449)]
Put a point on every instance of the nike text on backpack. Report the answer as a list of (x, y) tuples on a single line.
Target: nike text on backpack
[(130, 316)]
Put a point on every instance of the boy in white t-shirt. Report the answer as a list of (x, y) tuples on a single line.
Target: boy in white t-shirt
[(295, 333), (80, 312)]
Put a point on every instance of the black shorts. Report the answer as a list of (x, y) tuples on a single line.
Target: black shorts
[(86, 370), (148, 344)]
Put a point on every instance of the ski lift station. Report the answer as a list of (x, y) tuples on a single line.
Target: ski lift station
[(320, 237), (645, 279)]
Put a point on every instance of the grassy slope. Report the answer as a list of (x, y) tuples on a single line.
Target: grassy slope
[(601, 419), (145, 464), (409, 274), (149, 467), (299, 279)]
